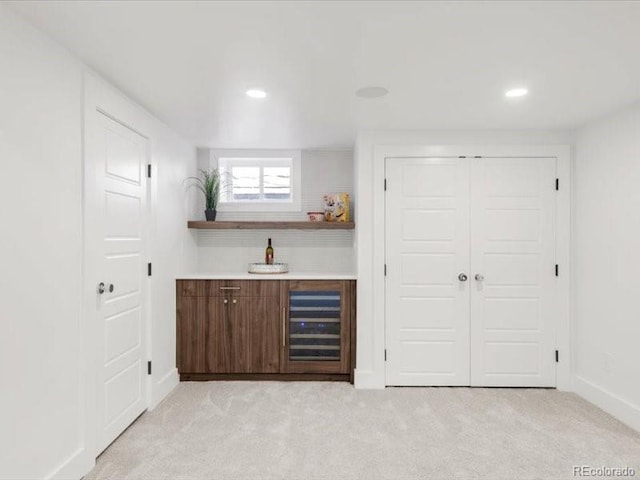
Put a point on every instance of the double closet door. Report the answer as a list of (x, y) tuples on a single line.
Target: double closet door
[(470, 285)]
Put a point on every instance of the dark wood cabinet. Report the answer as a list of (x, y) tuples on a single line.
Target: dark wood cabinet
[(265, 329), (228, 327)]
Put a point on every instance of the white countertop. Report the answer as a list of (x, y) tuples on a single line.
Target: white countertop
[(268, 276)]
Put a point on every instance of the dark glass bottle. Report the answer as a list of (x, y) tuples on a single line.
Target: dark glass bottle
[(268, 256)]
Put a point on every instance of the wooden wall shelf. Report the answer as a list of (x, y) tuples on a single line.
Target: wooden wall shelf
[(226, 225)]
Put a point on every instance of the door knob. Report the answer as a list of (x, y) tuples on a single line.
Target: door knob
[(235, 301), (226, 301), (103, 288), (479, 277), (462, 277)]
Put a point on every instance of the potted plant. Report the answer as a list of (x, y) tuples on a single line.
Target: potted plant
[(209, 184)]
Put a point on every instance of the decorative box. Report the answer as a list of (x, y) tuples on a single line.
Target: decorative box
[(336, 207)]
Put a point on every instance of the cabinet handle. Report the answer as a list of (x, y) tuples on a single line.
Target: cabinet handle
[(235, 301), (226, 301), (229, 288), (284, 327)]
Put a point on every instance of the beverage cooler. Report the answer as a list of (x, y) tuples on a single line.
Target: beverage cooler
[(316, 326)]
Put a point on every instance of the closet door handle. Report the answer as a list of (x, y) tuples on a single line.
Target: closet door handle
[(479, 277), (102, 288), (463, 277)]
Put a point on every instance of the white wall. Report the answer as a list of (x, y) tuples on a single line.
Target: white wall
[(41, 403), (173, 247), (370, 342), (317, 251), (40, 251), (606, 322)]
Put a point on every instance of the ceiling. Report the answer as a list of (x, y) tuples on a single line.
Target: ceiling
[(446, 64)]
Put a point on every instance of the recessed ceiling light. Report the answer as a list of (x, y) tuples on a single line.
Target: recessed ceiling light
[(371, 92), (516, 92), (256, 93)]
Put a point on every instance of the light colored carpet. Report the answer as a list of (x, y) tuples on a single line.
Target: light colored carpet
[(311, 431)]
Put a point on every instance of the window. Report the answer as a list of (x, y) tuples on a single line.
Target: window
[(256, 179), (259, 180)]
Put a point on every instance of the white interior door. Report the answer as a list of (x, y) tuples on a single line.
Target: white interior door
[(513, 272), (115, 215), (427, 248)]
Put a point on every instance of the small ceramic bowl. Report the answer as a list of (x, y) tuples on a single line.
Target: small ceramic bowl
[(316, 216)]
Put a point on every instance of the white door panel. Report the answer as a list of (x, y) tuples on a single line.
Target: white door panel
[(123, 215), (122, 391), (427, 246), (510, 269), (427, 269), (122, 333), (119, 163), (436, 225), (115, 227), (512, 313), (513, 248)]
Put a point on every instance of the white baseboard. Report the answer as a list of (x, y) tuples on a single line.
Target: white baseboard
[(367, 379), (75, 467), (163, 387), (620, 408)]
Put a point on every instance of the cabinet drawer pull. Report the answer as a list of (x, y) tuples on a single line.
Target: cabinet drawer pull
[(235, 301), (229, 288), (284, 327), (226, 301)]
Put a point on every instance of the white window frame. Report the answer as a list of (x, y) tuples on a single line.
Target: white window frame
[(293, 205)]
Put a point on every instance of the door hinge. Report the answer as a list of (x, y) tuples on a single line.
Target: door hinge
[(149, 170), (557, 271), (385, 269), (557, 356), (557, 184), (385, 354), (385, 184), (149, 269), (149, 367)]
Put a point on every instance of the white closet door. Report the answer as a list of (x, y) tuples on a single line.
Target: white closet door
[(116, 192), (513, 256), (427, 248)]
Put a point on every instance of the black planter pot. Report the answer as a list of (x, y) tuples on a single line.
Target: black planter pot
[(210, 215)]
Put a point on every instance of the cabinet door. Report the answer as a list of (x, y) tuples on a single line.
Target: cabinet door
[(218, 348), (255, 334), (191, 334), (203, 339), (317, 327)]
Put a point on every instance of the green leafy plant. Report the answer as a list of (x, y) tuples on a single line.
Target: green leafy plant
[(210, 184)]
